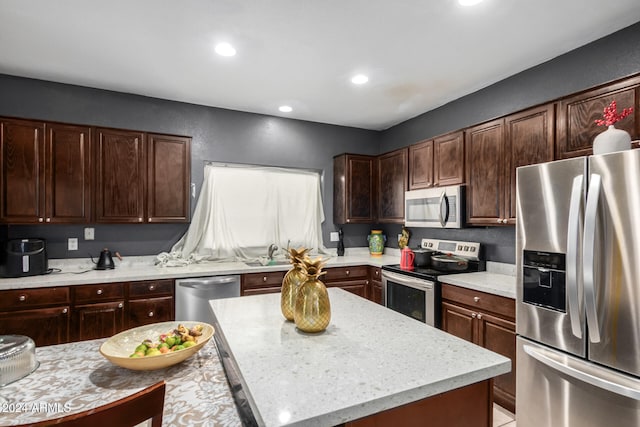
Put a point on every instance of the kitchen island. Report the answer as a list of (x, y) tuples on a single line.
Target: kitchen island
[(370, 360)]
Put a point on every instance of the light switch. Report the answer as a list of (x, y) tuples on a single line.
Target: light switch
[(72, 243), (334, 236), (89, 233)]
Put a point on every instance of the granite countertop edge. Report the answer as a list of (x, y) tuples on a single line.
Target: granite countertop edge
[(78, 272)]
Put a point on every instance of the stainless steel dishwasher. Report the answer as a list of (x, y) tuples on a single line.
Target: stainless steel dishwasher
[(193, 295)]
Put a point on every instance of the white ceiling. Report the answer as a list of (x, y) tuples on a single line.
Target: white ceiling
[(418, 54)]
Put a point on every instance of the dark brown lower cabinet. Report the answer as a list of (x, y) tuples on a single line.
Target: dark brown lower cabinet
[(488, 321), (46, 326), (150, 310), (74, 313), (99, 320)]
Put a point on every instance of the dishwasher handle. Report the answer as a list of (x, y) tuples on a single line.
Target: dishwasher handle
[(207, 282)]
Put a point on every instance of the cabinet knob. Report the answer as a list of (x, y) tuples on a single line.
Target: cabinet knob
[(377, 273), (264, 278), (139, 219), (499, 220), (40, 219), (64, 311), (99, 292), (476, 299), (48, 219), (346, 272), (150, 314), (504, 221), (149, 219), (152, 287), (348, 220), (22, 297), (479, 316), (474, 315), (120, 305)]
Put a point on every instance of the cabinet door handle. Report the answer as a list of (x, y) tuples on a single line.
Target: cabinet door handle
[(22, 297), (120, 305), (476, 299), (99, 292), (150, 314)]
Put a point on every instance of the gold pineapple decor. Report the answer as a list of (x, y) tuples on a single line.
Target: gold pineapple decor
[(312, 312), (292, 281)]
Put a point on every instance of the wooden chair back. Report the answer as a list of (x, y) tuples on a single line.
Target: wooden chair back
[(126, 412)]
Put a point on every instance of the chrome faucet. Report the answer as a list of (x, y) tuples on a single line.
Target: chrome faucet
[(271, 250)]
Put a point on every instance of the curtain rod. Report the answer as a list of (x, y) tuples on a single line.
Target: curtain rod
[(250, 165)]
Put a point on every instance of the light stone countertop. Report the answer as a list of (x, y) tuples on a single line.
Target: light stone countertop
[(80, 272), (499, 279), (368, 360)]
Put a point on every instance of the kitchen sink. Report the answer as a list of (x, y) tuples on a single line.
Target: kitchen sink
[(266, 263)]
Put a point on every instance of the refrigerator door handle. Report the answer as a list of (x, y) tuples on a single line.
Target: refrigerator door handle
[(632, 390), (591, 218), (574, 229)]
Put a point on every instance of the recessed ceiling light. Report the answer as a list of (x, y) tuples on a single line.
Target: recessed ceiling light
[(285, 109), (469, 2), (359, 79), (225, 49)]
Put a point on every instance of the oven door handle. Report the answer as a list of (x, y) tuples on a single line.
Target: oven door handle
[(412, 282)]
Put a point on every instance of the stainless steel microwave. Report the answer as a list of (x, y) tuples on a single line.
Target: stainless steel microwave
[(438, 207)]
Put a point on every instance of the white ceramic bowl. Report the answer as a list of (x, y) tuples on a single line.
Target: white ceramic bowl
[(118, 348)]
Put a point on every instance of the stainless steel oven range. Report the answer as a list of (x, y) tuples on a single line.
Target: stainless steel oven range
[(416, 292)]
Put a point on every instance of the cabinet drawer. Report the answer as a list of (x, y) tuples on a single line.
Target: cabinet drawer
[(152, 310), (257, 280), (480, 300), (345, 273), (151, 288), (97, 293), (22, 298), (260, 291)]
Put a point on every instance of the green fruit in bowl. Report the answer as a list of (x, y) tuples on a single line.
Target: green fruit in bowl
[(153, 352), (170, 341)]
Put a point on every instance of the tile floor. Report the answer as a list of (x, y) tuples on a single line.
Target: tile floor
[(502, 417)]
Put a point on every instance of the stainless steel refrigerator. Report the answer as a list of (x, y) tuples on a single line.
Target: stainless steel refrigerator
[(578, 295)]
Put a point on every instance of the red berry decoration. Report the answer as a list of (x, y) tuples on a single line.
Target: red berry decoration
[(611, 116)]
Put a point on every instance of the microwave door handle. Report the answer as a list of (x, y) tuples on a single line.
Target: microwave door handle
[(573, 244), (444, 205), (591, 218)]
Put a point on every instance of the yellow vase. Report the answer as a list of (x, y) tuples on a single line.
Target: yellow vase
[(312, 311), (290, 285)]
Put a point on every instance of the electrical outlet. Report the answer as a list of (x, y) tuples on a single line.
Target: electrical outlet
[(89, 233), (72, 244), (334, 236)]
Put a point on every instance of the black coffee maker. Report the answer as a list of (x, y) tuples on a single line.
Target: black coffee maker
[(23, 257)]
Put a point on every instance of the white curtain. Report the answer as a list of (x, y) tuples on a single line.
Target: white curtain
[(244, 209)]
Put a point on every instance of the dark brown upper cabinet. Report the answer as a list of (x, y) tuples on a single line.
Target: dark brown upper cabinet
[(354, 189), (23, 171), (448, 159), (46, 172), (529, 139), (421, 165), (393, 179), (120, 176), (169, 177), (577, 115), (68, 172), (485, 173)]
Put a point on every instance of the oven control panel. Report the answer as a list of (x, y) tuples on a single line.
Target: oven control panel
[(469, 250)]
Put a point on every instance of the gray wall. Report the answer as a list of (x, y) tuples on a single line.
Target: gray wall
[(218, 135), (609, 58)]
